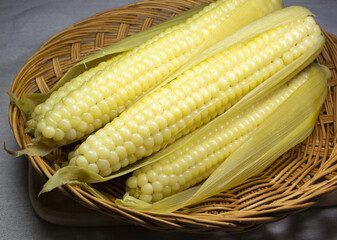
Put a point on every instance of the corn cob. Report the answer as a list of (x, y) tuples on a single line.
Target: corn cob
[(29, 101), (196, 160), (194, 98), (105, 95)]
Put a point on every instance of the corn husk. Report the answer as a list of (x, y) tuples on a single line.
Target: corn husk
[(291, 123)]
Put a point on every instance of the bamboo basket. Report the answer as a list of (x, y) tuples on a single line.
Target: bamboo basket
[(293, 183)]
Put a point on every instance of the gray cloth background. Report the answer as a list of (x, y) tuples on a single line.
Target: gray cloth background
[(27, 24)]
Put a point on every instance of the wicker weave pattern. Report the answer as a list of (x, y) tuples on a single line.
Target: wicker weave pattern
[(291, 184)]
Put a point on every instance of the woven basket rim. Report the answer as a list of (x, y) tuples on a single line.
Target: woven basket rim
[(229, 221)]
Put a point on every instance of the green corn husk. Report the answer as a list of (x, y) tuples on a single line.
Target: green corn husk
[(73, 174), (291, 123)]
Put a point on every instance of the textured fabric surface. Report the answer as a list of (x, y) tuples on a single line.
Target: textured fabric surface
[(26, 25)]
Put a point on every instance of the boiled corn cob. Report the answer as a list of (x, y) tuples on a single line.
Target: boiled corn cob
[(105, 95), (195, 161), (194, 98)]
